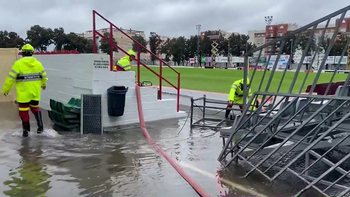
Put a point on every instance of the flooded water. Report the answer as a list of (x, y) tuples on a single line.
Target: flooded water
[(119, 163)]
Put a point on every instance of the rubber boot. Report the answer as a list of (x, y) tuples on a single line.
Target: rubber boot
[(39, 121), (227, 113), (26, 128)]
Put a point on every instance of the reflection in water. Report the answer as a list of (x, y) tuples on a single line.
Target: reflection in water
[(30, 178), (119, 163)]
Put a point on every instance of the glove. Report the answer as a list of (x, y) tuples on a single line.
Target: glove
[(230, 102)]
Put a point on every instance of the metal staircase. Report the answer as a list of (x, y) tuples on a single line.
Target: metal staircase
[(299, 132)]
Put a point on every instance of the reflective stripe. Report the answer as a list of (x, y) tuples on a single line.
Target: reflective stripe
[(23, 108), (34, 105), (12, 77), (29, 77), (234, 86), (14, 72), (126, 67)]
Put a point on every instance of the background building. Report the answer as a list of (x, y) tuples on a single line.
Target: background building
[(123, 42), (271, 32)]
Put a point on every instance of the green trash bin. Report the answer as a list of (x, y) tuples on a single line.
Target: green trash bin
[(116, 100)]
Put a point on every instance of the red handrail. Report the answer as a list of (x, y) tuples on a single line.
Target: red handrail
[(137, 59)]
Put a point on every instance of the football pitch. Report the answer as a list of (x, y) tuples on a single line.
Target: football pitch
[(220, 80)]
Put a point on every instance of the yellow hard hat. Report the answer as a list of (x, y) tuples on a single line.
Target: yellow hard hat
[(131, 52), (27, 48)]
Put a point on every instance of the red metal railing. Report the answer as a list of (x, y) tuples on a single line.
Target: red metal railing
[(137, 59)]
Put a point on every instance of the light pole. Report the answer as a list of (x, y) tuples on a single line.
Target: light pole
[(268, 20), (198, 27)]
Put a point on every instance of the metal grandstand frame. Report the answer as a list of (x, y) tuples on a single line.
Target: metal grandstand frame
[(307, 126)]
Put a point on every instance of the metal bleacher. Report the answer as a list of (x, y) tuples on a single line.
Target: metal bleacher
[(299, 127)]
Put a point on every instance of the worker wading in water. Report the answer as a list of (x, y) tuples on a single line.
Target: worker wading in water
[(30, 77)]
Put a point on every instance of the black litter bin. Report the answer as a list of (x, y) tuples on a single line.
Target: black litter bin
[(116, 100)]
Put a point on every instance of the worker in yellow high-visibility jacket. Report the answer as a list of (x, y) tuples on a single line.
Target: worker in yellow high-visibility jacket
[(236, 95), (124, 64), (30, 77)]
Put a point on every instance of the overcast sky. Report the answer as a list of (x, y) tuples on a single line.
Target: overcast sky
[(166, 17)]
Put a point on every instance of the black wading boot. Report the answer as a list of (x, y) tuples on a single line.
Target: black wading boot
[(39, 121), (26, 128)]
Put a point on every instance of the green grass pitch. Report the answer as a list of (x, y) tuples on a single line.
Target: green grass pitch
[(220, 80)]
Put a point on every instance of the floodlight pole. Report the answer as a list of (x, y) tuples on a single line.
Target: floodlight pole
[(198, 27), (268, 20)]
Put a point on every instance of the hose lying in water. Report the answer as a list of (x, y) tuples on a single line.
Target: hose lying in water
[(193, 184)]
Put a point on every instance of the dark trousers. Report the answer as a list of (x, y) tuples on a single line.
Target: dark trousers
[(229, 110)]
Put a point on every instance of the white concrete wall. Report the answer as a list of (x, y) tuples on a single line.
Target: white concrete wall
[(73, 75), (69, 76)]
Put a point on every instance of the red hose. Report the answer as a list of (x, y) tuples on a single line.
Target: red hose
[(193, 184)]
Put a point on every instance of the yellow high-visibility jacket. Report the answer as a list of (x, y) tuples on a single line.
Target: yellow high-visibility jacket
[(236, 94), (29, 76), (123, 63)]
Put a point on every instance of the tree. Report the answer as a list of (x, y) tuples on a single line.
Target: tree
[(303, 39), (40, 37), (75, 42), (10, 40), (338, 46), (245, 45), (205, 46), (178, 49), (142, 41), (154, 44), (105, 46), (59, 38), (165, 48), (235, 45), (191, 46)]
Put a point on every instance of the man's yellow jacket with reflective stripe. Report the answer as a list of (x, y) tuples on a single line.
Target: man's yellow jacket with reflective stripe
[(236, 94), (29, 76), (124, 63)]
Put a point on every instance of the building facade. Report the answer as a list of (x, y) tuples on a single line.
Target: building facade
[(123, 41), (271, 32)]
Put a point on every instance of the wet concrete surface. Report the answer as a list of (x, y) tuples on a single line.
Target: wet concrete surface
[(120, 163)]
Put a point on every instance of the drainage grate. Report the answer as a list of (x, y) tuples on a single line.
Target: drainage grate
[(91, 114)]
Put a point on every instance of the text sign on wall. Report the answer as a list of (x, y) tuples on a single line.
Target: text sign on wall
[(101, 64)]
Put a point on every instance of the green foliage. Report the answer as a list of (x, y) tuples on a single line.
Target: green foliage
[(178, 49), (10, 40), (40, 38), (142, 41), (75, 42), (166, 49), (338, 46), (154, 44), (105, 46)]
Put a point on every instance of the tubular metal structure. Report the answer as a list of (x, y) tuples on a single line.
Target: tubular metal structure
[(112, 45), (303, 125)]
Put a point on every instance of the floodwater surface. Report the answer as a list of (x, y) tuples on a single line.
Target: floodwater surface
[(118, 163)]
